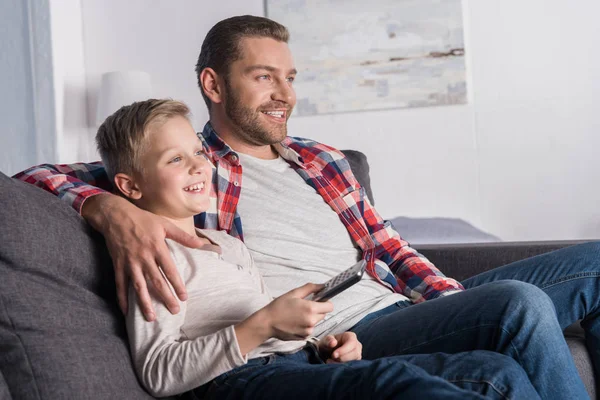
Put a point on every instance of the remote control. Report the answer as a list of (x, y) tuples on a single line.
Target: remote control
[(339, 283)]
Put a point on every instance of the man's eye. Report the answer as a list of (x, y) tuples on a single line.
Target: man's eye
[(263, 77), (291, 79)]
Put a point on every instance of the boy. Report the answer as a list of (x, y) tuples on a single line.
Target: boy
[(230, 329)]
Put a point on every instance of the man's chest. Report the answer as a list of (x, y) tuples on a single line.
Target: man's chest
[(286, 218)]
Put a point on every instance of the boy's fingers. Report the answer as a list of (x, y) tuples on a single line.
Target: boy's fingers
[(305, 290), (332, 342), (349, 345), (321, 307), (329, 342)]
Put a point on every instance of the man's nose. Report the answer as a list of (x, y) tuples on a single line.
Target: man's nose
[(283, 92)]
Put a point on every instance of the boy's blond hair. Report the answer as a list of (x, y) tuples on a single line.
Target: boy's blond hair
[(121, 139)]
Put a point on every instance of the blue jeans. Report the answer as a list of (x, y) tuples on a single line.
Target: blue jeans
[(303, 375), (499, 312)]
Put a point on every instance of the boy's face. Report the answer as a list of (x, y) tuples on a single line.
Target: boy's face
[(175, 181)]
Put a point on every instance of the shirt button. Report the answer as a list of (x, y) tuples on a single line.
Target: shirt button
[(236, 183), (234, 157)]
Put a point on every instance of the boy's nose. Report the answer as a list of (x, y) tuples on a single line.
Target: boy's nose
[(197, 165)]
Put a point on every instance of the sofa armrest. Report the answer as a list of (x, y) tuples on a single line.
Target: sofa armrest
[(461, 261)]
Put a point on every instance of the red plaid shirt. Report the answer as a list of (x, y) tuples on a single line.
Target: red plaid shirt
[(325, 169)]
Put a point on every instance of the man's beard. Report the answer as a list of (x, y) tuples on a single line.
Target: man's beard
[(247, 122)]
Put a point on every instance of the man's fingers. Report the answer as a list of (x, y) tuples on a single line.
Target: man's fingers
[(172, 274), (122, 288), (173, 232), (143, 297), (161, 288)]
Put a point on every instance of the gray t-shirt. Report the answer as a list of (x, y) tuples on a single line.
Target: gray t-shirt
[(179, 352), (295, 237)]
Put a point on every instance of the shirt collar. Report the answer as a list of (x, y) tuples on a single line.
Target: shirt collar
[(219, 149)]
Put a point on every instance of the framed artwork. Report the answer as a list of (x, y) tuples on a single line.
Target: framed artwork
[(356, 55)]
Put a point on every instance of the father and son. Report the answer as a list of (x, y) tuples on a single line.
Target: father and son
[(215, 237)]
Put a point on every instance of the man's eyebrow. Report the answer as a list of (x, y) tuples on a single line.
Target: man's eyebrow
[(252, 68)]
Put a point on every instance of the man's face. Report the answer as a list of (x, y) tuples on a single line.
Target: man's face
[(259, 96), (176, 178)]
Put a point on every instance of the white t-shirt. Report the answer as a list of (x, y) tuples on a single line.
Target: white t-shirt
[(295, 237), (177, 353)]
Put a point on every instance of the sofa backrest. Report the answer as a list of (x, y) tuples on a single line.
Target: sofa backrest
[(61, 332), (360, 168)]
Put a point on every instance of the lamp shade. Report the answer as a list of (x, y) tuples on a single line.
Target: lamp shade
[(121, 88)]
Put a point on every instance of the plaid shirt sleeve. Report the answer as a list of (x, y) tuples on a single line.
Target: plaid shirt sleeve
[(73, 183), (416, 277), (408, 272)]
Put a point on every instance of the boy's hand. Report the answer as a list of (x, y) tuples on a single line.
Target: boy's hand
[(340, 348), (290, 317), (136, 242)]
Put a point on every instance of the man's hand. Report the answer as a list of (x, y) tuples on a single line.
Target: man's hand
[(340, 348), (290, 317), (136, 242)]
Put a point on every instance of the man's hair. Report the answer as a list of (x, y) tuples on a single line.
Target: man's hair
[(221, 46), (121, 139)]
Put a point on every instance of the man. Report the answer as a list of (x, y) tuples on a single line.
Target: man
[(305, 218)]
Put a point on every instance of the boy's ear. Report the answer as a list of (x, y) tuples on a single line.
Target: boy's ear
[(127, 186), (212, 85)]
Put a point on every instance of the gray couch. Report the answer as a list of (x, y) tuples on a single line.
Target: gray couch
[(61, 333)]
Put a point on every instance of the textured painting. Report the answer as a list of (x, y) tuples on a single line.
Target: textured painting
[(355, 55)]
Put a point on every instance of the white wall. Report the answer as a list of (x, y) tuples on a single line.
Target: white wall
[(518, 161), (536, 80), (156, 37), (74, 136), (28, 134)]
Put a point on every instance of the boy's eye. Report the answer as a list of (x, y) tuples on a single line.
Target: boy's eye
[(201, 153), (176, 159)]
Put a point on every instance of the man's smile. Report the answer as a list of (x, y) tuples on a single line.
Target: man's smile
[(276, 115)]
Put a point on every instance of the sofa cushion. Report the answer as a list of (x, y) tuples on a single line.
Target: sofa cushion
[(4, 392), (61, 333)]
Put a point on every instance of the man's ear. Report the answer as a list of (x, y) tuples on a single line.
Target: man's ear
[(127, 186), (212, 85)]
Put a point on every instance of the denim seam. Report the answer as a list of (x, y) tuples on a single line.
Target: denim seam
[(491, 384), (511, 336), (581, 275)]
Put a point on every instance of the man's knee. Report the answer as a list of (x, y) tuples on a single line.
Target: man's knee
[(522, 296)]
